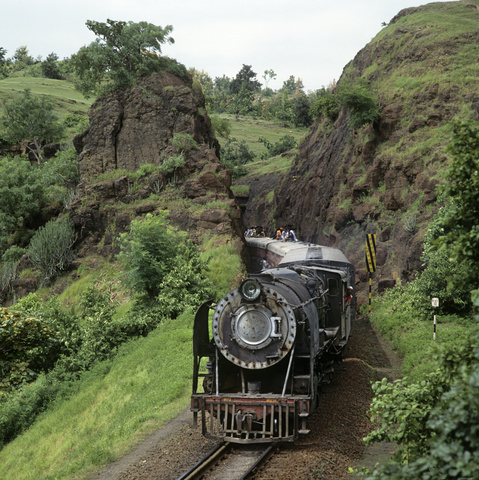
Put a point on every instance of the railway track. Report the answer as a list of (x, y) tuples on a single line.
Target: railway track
[(230, 462)]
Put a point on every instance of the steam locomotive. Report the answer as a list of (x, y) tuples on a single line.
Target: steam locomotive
[(268, 345)]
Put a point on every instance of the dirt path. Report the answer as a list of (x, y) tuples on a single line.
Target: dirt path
[(333, 445)]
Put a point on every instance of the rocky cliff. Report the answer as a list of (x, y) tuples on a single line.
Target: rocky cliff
[(133, 128), (383, 178)]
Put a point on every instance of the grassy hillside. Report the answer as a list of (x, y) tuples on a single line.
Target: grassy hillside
[(62, 92), (112, 408), (251, 129)]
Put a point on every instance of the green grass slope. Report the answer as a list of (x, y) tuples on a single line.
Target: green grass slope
[(113, 408), (62, 92)]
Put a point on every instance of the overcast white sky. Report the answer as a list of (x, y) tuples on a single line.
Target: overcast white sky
[(309, 39)]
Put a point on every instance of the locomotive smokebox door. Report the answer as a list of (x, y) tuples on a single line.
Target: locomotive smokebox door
[(253, 326)]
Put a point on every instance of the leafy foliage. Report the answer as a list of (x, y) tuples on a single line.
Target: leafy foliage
[(8, 268), (22, 195), (147, 252), (51, 248), (461, 220), (31, 120), (362, 106), (434, 421), (285, 143), (122, 52), (356, 98), (50, 67), (184, 142), (245, 80), (20, 336), (186, 285), (220, 126), (235, 155), (327, 104)]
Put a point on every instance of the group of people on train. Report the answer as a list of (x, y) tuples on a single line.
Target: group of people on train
[(283, 234)]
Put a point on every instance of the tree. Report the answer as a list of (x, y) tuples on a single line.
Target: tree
[(22, 58), (122, 52), (301, 111), (30, 120), (268, 76), (50, 67), (22, 196), (461, 222), (3, 61), (245, 79)]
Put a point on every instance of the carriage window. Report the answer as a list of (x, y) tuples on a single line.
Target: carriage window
[(333, 287)]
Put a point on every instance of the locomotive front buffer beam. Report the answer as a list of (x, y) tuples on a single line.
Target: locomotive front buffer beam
[(264, 419)]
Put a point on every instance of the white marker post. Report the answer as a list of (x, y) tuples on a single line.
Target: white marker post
[(435, 304)]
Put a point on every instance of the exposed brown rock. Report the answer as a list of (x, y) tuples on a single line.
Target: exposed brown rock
[(132, 127)]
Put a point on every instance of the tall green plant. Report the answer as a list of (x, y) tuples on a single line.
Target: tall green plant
[(51, 248), (147, 251), (31, 121), (461, 221), (122, 52), (22, 195)]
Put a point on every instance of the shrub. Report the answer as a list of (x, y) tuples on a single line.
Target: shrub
[(362, 106), (220, 126), (235, 155), (170, 167), (20, 335), (184, 142), (9, 266), (147, 252), (22, 194), (285, 143), (434, 421), (51, 248), (356, 98), (328, 105), (186, 284)]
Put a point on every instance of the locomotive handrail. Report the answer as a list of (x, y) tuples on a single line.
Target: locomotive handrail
[(283, 393)]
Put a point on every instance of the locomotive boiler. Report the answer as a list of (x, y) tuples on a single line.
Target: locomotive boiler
[(264, 350)]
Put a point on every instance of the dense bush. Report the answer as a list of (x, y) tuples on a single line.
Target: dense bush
[(356, 98), (22, 195), (328, 105), (147, 252), (235, 155), (9, 267), (22, 340), (461, 220), (51, 248), (285, 143), (186, 285), (434, 421)]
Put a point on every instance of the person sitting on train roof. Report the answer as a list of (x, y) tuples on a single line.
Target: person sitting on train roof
[(292, 236), (348, 296)]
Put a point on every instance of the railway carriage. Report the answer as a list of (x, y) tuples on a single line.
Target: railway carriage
[(262, 353)]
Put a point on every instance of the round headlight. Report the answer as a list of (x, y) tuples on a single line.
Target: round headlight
[(250, 290)]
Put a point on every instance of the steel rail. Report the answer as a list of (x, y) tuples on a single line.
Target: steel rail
[(206, 461), (259, 462)]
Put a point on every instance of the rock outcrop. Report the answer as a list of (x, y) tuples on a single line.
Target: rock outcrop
[(131, 128)]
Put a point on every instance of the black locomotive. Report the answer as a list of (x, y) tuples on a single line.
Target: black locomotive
[(270, 343)]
